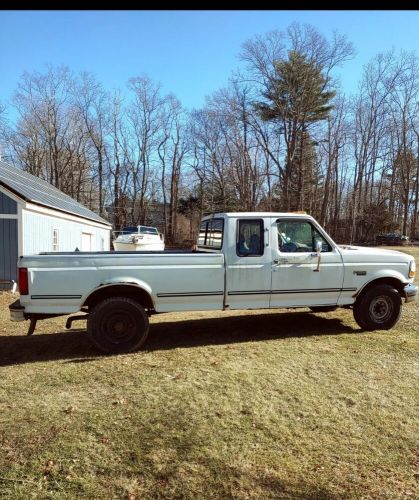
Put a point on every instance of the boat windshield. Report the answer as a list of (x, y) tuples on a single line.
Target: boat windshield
[(137, 230), (148, 230), (130, 230)]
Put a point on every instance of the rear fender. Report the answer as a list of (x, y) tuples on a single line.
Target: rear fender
[(121, 281)]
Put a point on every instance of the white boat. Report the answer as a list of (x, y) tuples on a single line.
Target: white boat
[(138, 239)]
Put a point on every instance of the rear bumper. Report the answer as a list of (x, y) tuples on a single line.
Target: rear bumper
[(410, 292), (17, 311)]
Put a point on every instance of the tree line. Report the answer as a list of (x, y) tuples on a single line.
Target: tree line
[(281, 136)]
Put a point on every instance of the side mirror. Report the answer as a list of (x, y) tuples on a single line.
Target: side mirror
[(319, 246)]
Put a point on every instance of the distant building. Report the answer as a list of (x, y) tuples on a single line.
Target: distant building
[(36, 217)]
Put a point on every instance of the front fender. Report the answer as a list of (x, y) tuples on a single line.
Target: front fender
[(384, 274)]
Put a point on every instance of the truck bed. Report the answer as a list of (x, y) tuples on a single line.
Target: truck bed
[(142, 252), (60, 282)]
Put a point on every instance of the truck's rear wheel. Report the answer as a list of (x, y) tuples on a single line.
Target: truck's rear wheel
[(117, 325), (378, 309)]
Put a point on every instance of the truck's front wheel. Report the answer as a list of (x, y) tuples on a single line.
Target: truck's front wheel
[(378, 309), (117, 325)]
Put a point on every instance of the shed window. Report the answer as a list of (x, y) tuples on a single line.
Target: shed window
[(55, 240)]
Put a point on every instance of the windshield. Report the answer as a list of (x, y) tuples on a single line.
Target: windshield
[(148, 230), (139, 229), (130, 229)]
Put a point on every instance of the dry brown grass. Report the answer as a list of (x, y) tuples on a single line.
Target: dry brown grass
[(259, 404)]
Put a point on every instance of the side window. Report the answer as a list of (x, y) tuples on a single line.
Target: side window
[(250, 238), (296, 236), (202, 233), (215, 233), (211, 234)]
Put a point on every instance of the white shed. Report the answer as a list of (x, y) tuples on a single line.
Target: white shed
[(36, 217)]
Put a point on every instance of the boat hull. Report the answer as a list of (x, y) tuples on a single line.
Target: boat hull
[(121, 246)]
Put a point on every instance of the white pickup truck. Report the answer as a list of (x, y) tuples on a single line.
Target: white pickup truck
[(241, 261)]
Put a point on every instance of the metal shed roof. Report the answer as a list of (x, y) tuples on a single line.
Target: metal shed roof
[(36, 190)]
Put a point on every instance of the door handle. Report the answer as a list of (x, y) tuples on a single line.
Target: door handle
[(280, 261)]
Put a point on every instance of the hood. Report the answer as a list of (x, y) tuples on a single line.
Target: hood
[(352, 253)]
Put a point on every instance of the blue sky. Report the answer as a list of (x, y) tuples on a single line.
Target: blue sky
[(192, 53)]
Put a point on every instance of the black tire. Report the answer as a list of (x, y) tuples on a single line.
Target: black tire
[(378, 308), (117, 325), (323, 309)]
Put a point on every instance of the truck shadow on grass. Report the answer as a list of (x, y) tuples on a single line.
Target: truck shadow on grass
[(236, 329), (75, 345)]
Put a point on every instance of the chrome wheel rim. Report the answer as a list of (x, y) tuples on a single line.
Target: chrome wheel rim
[(381, 309)]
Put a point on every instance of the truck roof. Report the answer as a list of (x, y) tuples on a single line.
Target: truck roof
[(258, 214)]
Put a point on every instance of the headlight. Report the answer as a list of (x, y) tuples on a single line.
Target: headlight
[(412, 269)]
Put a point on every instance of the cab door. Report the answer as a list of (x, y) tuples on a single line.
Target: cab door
[(298, 279), (248, 268)]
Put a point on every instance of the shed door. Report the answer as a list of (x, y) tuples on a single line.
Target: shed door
[(8, 250), (86, 242)]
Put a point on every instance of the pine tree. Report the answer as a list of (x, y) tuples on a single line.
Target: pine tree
[(297, 96)]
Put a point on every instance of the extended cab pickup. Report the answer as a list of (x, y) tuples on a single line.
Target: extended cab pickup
[(241, 261)]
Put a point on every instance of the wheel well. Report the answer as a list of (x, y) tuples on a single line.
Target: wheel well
[(131, 291), (397, 284)]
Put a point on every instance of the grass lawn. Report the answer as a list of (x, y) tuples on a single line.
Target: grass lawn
[(259, 404)]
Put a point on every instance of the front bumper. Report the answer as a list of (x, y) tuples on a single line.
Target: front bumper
[(410, 292), (17, 311)]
